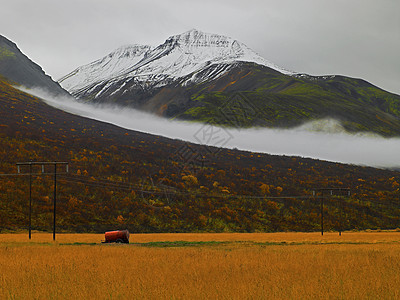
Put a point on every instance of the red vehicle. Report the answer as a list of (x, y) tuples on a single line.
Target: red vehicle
[(118, 236)]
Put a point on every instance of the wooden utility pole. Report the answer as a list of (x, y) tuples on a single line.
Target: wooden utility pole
[(322, 213), (331, 190), (30, 201), (55, 201), (43, 164)]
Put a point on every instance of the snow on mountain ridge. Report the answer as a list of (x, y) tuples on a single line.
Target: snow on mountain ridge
[(112, 65), (179, 56)]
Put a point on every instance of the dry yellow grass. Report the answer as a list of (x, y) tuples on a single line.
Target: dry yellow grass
[(289, 237), (40, 269)]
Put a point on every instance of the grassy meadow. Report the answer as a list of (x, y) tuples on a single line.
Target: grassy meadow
[(364, 265)]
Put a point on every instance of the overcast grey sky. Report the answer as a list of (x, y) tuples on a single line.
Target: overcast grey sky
[(358, 38)]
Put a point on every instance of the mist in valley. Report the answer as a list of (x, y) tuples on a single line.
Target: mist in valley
[(323, 139)]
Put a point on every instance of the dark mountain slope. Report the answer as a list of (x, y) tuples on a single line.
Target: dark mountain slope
[(148, 183), (18, 68)]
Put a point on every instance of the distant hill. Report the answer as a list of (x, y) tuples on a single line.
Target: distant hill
[(18, 68), (125, 179), (213, 78)]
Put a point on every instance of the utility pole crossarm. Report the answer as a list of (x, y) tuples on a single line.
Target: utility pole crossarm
[(43, 164)]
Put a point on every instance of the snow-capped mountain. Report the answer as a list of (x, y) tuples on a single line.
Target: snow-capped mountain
[(113, 65), (215, 79), (191, 57)]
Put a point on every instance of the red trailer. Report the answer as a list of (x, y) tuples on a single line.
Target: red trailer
[(118, 236)]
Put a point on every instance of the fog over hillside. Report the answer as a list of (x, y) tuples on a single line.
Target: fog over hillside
[(324, 139)]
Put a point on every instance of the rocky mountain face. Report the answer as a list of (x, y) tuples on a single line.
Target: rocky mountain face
[(216, 79), (19, 69)]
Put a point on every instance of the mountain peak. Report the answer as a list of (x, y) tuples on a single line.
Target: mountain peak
[(192, 31), (197, 38), (132, 47), (180, 56), (130, 50)]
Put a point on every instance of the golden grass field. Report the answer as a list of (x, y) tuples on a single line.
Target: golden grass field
[(363, 265)]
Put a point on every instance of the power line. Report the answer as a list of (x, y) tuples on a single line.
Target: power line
[(13, 174), (25, 174), (103, 183), (132, 187), (154, 190)]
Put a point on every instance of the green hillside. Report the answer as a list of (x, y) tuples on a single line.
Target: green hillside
[(257, 96)]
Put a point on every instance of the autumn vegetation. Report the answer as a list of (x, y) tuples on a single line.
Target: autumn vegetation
[(125, 179)]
